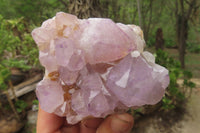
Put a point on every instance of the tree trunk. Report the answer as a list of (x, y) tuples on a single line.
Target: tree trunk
[(115, 10), (183, 16), (139, 14), (105, 8), (85, 8), (182, 34), (159, 39), (146, 34)]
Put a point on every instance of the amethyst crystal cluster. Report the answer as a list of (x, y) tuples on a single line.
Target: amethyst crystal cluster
[(95, 67)]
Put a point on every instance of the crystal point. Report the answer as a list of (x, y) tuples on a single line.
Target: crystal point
[(136, 83)]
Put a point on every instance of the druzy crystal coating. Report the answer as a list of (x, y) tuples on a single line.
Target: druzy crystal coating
[(95, 67)]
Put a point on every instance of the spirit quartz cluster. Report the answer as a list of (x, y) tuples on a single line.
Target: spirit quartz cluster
[(95, 67)]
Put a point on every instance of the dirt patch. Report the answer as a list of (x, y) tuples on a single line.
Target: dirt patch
[(10, 124), (159, 122)]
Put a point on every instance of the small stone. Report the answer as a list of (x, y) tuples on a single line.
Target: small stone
[(32, 117)]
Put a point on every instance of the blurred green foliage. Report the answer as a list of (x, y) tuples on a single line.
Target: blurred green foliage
[(169, 43), (35, 102), (150, 42), (34, 12), (4, 76), (17, 48), (193, 47), (20, 105)]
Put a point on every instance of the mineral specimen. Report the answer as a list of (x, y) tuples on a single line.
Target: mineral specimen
[(95, 67)]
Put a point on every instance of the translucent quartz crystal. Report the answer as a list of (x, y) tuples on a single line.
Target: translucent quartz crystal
[(63, 51), (95, 67), (46, 59), (49, 100), (134, 33), (109, 36), (136, 82), (67, 76)]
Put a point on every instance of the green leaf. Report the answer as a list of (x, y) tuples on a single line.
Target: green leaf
[(35, 102), (20, 105)]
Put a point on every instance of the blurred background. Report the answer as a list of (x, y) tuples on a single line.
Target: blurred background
[(172, 32)]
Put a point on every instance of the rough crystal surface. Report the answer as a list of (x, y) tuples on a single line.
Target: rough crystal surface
[(109, 36), (136, 83), (95, 67), (49, 95)]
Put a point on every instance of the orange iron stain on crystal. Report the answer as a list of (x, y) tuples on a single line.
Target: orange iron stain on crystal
[(54, 75), (66, 88), (60, 32), (76, 27)]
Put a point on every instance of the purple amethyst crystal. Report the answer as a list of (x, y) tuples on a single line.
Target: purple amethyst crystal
[(95, 67)]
